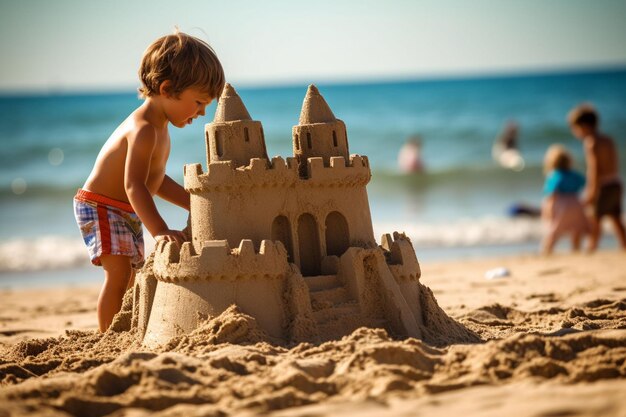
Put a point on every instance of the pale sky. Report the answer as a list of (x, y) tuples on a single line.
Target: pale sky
[(84, 44)]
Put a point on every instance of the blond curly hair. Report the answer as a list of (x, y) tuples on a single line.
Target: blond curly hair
[(557, 157)]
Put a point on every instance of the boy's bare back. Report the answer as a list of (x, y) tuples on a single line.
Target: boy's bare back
[(108, 174), (601, 154)]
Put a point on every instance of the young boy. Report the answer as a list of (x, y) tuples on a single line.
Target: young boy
[(180, 76), (604, 186)]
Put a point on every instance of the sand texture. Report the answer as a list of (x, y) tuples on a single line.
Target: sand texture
[(552, 343)]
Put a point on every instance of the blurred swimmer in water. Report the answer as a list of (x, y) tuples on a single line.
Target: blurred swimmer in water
[(410, 156), (505, 150)]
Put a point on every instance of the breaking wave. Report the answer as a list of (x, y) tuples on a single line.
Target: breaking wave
[(467, 232)]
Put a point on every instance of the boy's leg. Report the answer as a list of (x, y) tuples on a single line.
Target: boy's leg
[(620, 231), (118, 274), (576, 238), (131, 281)]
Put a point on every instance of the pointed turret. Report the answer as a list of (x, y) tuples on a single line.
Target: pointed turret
[(230, 107), (233, 135), (319, 134), (315, 109)]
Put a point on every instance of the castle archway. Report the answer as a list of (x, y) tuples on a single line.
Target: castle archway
[(309, 245), (337, 234), (281, 230)]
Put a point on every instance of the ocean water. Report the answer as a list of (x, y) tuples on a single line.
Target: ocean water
[(458, 208)]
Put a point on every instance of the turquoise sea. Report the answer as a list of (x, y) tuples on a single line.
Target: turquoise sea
[(458, 208)]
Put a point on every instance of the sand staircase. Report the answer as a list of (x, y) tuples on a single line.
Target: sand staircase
[(334, 309)]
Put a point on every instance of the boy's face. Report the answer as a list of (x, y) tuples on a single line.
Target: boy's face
[(190, 104), (580, 131)]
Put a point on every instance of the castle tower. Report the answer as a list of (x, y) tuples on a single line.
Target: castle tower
[(233, 135), (318, 133)]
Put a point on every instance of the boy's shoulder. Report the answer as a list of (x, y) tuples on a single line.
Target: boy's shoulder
[(598, 140), (590, 142), (140, 127)]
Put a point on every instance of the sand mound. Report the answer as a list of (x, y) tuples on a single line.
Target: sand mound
[(438, 328), (227, 378), (77, 351), (497, 321), (232, 326), (587, 356)]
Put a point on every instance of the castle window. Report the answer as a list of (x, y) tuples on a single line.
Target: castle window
[(207, 142), (309, 245), (337, 234), (335, 138), (308, 140), (245, 134), (219, 149), (297, 142), (281, 230)]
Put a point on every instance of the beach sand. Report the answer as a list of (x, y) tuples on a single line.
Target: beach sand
[(553, 331)]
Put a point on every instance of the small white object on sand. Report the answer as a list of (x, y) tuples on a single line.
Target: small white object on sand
[(495, 273)]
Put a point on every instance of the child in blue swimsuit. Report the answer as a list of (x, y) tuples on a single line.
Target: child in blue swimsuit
[(562, 209)]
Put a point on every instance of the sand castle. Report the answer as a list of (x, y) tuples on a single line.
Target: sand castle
[(289, 242)]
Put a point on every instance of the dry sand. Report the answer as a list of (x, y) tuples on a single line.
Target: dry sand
[(554, 344)]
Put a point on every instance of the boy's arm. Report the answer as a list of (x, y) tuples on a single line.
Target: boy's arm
[(591, 191), (173, 192), (138, 155)]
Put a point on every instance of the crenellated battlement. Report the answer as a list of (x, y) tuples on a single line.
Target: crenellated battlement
[(217, 260), (400, 256), (224, 175), (355, 172)]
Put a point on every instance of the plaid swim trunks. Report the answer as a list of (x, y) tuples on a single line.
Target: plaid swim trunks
[(109, 227)]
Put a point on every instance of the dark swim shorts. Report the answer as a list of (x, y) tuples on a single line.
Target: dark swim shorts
[(609, 200)]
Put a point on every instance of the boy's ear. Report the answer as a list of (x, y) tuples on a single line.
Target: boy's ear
[(165, 89)]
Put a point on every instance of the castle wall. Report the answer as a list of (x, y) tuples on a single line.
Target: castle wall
[(405, 269), (187, 282), (244, 203), (368, 278), (178, 303)]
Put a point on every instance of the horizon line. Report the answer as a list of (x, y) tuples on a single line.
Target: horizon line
[(340, 80)]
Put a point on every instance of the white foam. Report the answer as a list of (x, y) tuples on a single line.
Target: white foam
[(467, 232), (47, 252)]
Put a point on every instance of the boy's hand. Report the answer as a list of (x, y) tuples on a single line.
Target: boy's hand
[(171, 236), (187, 230)]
